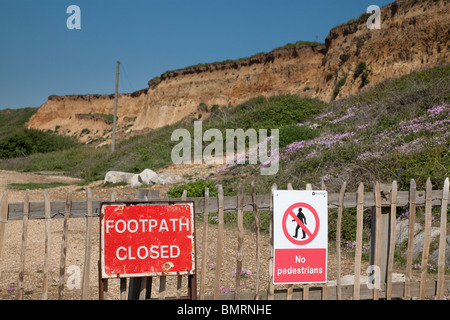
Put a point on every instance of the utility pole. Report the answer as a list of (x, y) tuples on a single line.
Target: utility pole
[(113, 142)]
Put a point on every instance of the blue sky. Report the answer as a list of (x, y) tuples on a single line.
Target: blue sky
[(40, 56)]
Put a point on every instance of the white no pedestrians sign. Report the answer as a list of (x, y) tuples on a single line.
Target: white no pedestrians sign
[(300, 236)]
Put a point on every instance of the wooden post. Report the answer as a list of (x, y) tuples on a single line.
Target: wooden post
[(255, 211), (338, 240), (376, 236), (412, 221), (359, 234), (180, 278), (204, 243), (240, 252), (270, 286), (442, 242), (65, 233), (427, 239), (47, 244), (383, 233), (87, 250), (3, 221), (391, 248), (26, 209), (219, 242)]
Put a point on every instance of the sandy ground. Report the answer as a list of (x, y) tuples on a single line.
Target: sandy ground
[(34, 256)]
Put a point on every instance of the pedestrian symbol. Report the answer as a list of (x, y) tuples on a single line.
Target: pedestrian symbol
[(301, 217)]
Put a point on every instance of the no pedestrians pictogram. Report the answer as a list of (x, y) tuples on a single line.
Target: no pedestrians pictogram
[(308, 232)]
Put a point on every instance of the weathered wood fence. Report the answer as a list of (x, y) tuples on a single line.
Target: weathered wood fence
[(383, 200)]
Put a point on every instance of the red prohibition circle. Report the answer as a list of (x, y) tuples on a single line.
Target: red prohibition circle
[(289, 212)]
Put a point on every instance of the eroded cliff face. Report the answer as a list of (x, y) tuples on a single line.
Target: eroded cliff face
[(414, 35)]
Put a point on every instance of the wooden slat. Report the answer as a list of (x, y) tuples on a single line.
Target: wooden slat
[(338, 240), (257, 240), (26, 208), (393, 216), (15, 211), (378, 233), (64, 241), (412, 221), (219, 243), (180, 277), (359, 243), (240, 239), (87, 248), (442, 242), (204, 244), (270, 285), (162, 287), (46, 245), (427, 240), (3, 221)]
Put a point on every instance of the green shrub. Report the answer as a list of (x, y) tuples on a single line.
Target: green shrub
[(30, 141), (293, 133), (274, 112), (194, 189), (338, 87)]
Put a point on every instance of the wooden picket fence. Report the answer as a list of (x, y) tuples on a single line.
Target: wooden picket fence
[(383, 200)]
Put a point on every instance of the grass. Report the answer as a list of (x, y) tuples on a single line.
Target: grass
[(13, 120)]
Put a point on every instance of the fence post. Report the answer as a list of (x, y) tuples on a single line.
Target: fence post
[(240, 252), (47, 244), (270, 286), (338, 240), (427, 239), (62, 263), (255, 211), (391, 248), (87, 249), (204, 243), (219, 242), (359, 235), (380, 234), (412, 221), (3, 221), (376, 237), (26, 209), (442, 242)]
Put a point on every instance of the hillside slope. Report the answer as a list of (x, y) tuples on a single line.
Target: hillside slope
[(413, 36)]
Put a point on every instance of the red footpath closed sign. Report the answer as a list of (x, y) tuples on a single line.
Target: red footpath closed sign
[(147, 239)]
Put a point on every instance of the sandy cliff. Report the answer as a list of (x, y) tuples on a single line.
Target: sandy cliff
[(414, 35)]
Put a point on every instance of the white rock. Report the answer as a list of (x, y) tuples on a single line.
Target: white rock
[(118, 177), (168, 178)]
